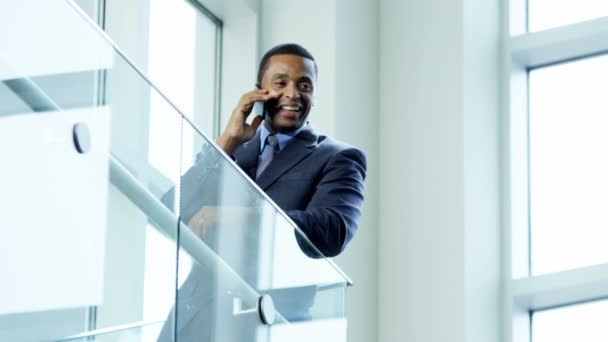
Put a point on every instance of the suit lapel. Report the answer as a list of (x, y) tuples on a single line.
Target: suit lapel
[(297, 149), (247, 155)]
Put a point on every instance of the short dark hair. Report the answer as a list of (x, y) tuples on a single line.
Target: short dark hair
[(283, 49)]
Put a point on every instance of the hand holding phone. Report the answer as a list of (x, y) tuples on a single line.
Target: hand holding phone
[(237, 130)]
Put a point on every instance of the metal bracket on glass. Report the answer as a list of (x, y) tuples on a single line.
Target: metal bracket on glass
[(82, 137), (264, 309)]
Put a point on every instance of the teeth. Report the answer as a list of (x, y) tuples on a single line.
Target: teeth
[(294, 109)]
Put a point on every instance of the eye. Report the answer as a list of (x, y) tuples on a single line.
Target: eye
[(305, 86), (280, 83)]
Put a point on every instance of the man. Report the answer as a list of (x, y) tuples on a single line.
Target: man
[(316, 180)]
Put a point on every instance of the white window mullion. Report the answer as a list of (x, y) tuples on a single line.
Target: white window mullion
[(528, 297), (562, 288), (560, 44)]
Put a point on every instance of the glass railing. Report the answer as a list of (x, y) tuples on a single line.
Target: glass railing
[(120, 221)]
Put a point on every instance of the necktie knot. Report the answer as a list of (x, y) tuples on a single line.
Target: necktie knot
[(272, 141)]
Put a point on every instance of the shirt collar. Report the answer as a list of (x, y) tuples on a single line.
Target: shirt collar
[(282, 138)]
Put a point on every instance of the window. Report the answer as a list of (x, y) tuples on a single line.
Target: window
[(183, 56), (568, 111), (547, 14), (583, 322), (182, 62), (558, 170), (177, 46)]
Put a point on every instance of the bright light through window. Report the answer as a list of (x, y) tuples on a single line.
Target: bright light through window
[(171, 67), (585, 322), (181, 63), (546, 14), (569, 165), (171, 59)]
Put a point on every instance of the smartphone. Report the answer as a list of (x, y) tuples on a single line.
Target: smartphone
[(259, 108)]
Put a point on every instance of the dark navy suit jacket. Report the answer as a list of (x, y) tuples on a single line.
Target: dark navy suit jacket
[(317, 181)]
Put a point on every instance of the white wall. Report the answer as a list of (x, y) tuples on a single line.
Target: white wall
[(342, 36), (290, 21), (421, 259), (239, 55), (356, 122), (482, 170), (439, 222)]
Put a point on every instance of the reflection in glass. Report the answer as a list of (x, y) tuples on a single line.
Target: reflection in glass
[(145, 332), (569, 165), (256, 244), (83, 264), (237, 246), (583, 322), (321, 330), (546, 14)]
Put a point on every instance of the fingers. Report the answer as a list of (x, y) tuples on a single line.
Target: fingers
[(201, 221), (248, 99), (259, 95), (273, 95), (237, 130)]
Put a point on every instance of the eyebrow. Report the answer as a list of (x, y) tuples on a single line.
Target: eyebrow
[(275, 76), (303, 78), (306, 78)]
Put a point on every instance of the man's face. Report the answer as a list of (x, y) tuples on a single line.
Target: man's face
[(292, 78)]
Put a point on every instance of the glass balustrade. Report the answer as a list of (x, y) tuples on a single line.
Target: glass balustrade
[(121, 221)]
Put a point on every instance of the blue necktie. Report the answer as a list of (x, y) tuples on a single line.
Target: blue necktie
[(272, 145)]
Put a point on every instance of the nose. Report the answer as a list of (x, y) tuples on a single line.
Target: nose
[(291, 91)]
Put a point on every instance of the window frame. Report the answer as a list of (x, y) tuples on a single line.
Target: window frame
[(217, 84), (523, 51), (99, 16)]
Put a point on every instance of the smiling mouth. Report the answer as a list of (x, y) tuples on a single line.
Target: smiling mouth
[(290, 108)]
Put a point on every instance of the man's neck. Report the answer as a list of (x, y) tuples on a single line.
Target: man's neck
[(274, 130)]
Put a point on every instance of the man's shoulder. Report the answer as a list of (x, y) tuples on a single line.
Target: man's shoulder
[(328, 151), (327, 143), (333, 147), (335, 144)]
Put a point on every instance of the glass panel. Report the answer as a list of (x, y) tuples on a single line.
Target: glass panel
[(569, 165), (93, 156), (90, 7), (176, 44), (144, 333), (251, 249), (546, 14), (206, 114), (584, 322), (317, 330), (184, 68), (10, 103), (80, 245)]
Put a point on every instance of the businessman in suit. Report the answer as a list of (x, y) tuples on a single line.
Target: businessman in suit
[(315, 179)]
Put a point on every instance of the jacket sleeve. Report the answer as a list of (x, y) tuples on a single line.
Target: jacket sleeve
[(199, 186), (330, 219)]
